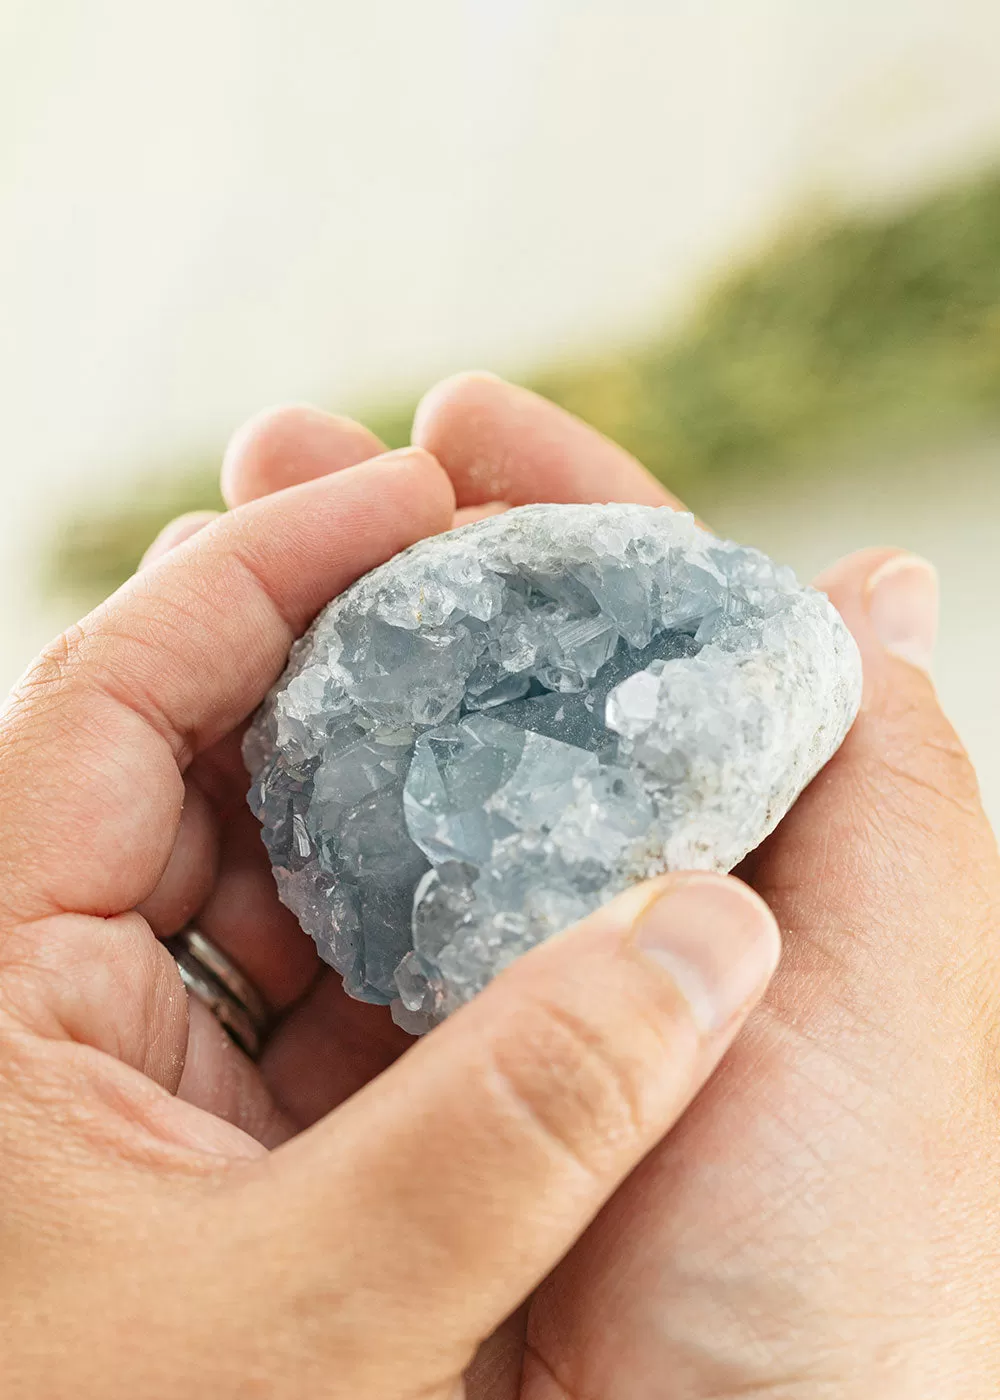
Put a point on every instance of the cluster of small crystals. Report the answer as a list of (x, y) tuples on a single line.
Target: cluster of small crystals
[(489, 736)]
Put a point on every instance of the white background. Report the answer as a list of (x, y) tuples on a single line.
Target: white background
[(212, 205)]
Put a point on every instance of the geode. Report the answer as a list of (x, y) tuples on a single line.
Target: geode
[(489, 736)]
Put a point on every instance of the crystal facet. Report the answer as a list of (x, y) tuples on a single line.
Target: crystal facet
[(489, 736)]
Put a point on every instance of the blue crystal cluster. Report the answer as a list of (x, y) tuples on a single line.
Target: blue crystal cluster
[(489, 736)]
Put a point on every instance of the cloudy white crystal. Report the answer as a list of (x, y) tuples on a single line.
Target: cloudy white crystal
[(492, 734)]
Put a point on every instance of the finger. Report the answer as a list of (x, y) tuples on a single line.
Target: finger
[(327, 1048), (219, 1078), (244, 916), (891, 602), (496, 1370), (278, 448), (175, 532), (288, 445), (468, 515), (472, 1164), (902, 747), (104, 983), (499, 442), (191, 868), (872, 849), (109, 717)]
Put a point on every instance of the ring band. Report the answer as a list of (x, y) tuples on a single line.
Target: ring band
[(223, 987)]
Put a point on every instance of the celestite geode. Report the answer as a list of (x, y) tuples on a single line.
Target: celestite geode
[(493, 733)]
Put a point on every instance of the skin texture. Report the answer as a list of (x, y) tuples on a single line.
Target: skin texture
[(822, 1222)]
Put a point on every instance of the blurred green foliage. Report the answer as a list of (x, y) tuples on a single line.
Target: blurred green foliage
[(837, 331)]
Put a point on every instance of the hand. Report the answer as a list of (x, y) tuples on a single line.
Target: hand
[(824, 1222), (150, 1244)]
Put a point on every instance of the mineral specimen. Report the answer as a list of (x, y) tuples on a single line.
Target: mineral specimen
[(493, 733)]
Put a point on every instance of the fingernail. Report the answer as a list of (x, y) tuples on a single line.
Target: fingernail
[(718, 941), (903, 604)]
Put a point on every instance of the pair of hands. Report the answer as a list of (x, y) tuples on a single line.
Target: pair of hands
[(823, 1221)]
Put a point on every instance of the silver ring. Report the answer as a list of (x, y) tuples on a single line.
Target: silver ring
[(223, 987)]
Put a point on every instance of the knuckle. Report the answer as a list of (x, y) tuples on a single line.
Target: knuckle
[(34, 714), (565, 1080), (50, 671), (118, 658)]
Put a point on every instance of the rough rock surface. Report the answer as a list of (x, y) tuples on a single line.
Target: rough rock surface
[(487, 737)]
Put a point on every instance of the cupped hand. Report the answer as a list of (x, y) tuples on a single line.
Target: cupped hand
[(151, 1245), (825, 1221)]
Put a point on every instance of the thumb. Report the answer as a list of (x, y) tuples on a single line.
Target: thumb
[(888, 860), (903, 750), (470, 1167), (891, 602)]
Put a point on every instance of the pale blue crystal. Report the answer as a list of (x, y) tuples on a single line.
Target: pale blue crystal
[(489, 736)]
